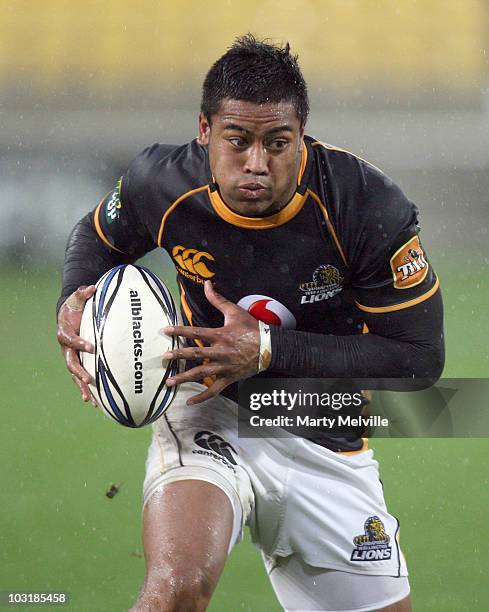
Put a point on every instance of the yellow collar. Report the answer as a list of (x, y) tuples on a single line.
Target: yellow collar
[(282, 216)]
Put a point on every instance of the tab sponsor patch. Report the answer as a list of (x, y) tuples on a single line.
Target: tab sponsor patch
[(408, 264)]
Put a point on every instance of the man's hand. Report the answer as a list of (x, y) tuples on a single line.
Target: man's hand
[(232, 353), (69, 320)]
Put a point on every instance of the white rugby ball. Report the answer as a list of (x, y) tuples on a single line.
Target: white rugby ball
[(123, 320)]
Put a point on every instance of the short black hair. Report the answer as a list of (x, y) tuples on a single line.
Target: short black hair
[(256, 71)]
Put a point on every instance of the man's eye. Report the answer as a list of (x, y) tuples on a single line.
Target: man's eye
[(237, 142), (278, 145)]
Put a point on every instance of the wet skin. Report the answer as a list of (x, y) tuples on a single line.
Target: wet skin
[(254, 153)]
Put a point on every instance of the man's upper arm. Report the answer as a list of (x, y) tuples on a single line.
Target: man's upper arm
[(394, 282), (122, 219), (390, 269), (116, 232)]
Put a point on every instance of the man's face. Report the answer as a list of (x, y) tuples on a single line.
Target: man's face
[(254, 153)]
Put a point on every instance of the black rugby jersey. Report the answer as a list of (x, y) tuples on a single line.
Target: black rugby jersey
[(344, 250), (345, 244)]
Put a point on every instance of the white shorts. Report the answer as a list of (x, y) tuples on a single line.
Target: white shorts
[(296, 496), (302, 588)]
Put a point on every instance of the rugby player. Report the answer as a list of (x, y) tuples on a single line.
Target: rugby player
[(286, 250)]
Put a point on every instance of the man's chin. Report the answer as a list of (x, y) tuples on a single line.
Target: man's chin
[(251, 208)]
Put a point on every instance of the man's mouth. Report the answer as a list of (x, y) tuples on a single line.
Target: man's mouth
[(252, 191)]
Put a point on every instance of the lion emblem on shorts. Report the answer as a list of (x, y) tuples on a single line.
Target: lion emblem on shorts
[(373, 545), (374, 532)]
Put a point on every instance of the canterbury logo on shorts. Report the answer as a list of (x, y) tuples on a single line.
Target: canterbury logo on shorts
[(212, 442), (193, 264)]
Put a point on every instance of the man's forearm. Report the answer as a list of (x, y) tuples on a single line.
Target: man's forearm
[(86, 258), (397, 350)]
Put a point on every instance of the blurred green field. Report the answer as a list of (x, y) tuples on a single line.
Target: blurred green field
[(61, 533)]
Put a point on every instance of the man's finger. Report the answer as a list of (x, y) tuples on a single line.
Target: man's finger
[(76, 301), (85, 391), (199, 333), (86, 291), (191, 352), (216, 299), (72, 340), (194, 375), (212, 391), (74, 366)]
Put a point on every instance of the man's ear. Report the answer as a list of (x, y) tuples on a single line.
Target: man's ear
[(204, 130)]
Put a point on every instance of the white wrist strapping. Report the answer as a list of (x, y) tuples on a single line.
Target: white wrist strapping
[(265, 346)]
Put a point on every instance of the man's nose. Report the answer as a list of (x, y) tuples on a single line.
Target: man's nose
[(256, 160)]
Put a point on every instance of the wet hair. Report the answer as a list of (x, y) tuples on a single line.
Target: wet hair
[(257, 71)]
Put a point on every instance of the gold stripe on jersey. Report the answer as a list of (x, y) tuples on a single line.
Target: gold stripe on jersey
[(329, 225), (209, 380), (333, 148), (402, 305), (282, 216), (185, 306), (99, 229), (303, 163), (173, 206)]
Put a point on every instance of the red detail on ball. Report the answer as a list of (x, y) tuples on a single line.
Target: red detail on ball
[(259, 311)]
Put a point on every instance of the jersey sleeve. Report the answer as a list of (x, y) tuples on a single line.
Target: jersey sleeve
[(390, 269), (123, 217)]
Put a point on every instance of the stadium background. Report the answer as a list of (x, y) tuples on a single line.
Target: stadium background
[(83, 88)]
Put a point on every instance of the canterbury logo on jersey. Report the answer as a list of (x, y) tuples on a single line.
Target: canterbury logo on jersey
[(408, 264), (193, 264)]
